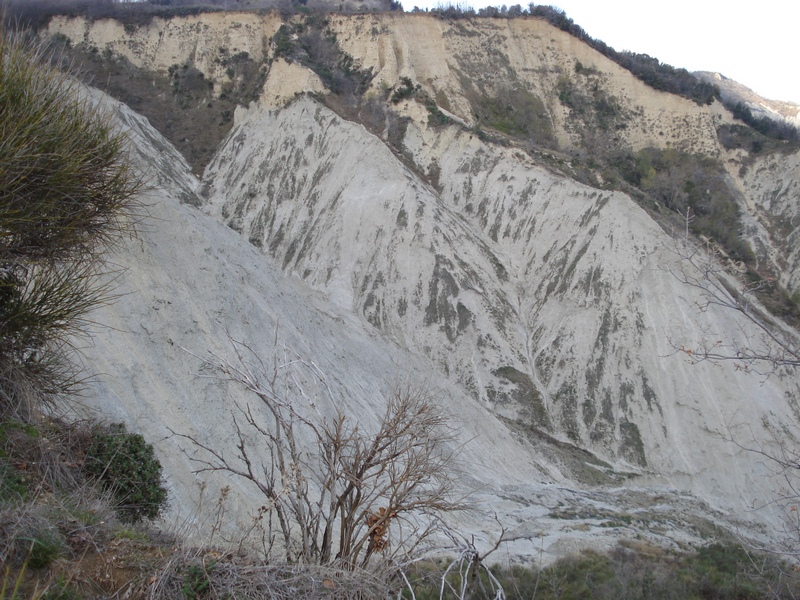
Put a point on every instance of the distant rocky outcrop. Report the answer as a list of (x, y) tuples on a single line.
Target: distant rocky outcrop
[(733, 91)]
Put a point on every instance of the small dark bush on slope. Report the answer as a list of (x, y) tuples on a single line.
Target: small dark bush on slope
[(126, 465)]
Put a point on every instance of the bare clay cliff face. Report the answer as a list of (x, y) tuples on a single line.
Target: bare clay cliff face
[(554, 304), (551, 313)]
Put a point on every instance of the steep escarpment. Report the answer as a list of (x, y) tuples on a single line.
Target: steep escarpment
[(771, 184), (488, 204), (555, 304), (470, 64), (161, 43), (463, 65), (191, 286), (521, 80)]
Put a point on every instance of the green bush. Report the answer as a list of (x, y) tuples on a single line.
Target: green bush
[(197, 582), (126, 465), (13, 486), (630, 570), (406, 90), (61, 590), (680, 181), (65, 188)]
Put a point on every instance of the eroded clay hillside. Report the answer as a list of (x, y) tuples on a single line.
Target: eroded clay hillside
[(489, 199), (454, 61), (521, 79)]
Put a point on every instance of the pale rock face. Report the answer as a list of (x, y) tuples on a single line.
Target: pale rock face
[(285, 81), (190, 284), (550, 302), (187, 285), (436, 53), (432, 52), (547, 312), (771, 185), (161, 44)]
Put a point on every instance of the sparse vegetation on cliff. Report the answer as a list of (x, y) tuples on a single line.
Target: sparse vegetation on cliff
[(682, 182), (35, 14), (184, 105), (775, 130), (311, 43), (650, 70)]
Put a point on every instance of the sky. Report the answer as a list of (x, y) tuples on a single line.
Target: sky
[(755, 45)]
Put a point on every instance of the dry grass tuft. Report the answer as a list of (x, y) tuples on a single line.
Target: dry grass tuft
[(214, 575)]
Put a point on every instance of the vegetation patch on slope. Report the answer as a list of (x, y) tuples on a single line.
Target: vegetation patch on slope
[(692, 185), (310, 42), (633, 569)]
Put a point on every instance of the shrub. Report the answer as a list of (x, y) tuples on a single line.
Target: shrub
[(196, 582), (681, 181), (126, 465), (514, 111), (368, 486), (29, 541), (406, 90), (771, 128), (13, 486), (65, 187), (630, 570)]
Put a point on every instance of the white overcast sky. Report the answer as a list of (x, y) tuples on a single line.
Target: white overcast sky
[(755, 43)]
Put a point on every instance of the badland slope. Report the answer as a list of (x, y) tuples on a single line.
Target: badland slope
[(486, 206)]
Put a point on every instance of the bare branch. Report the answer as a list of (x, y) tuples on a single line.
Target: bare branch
[(774, 346), (338, 486)]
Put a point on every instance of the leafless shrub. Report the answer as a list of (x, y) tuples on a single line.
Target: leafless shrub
[(468, 566), (338, 490), (781, 462), (774, 346), (765, 347)]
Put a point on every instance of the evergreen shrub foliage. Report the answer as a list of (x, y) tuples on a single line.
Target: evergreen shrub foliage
[(65, 190), (126, 465)]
